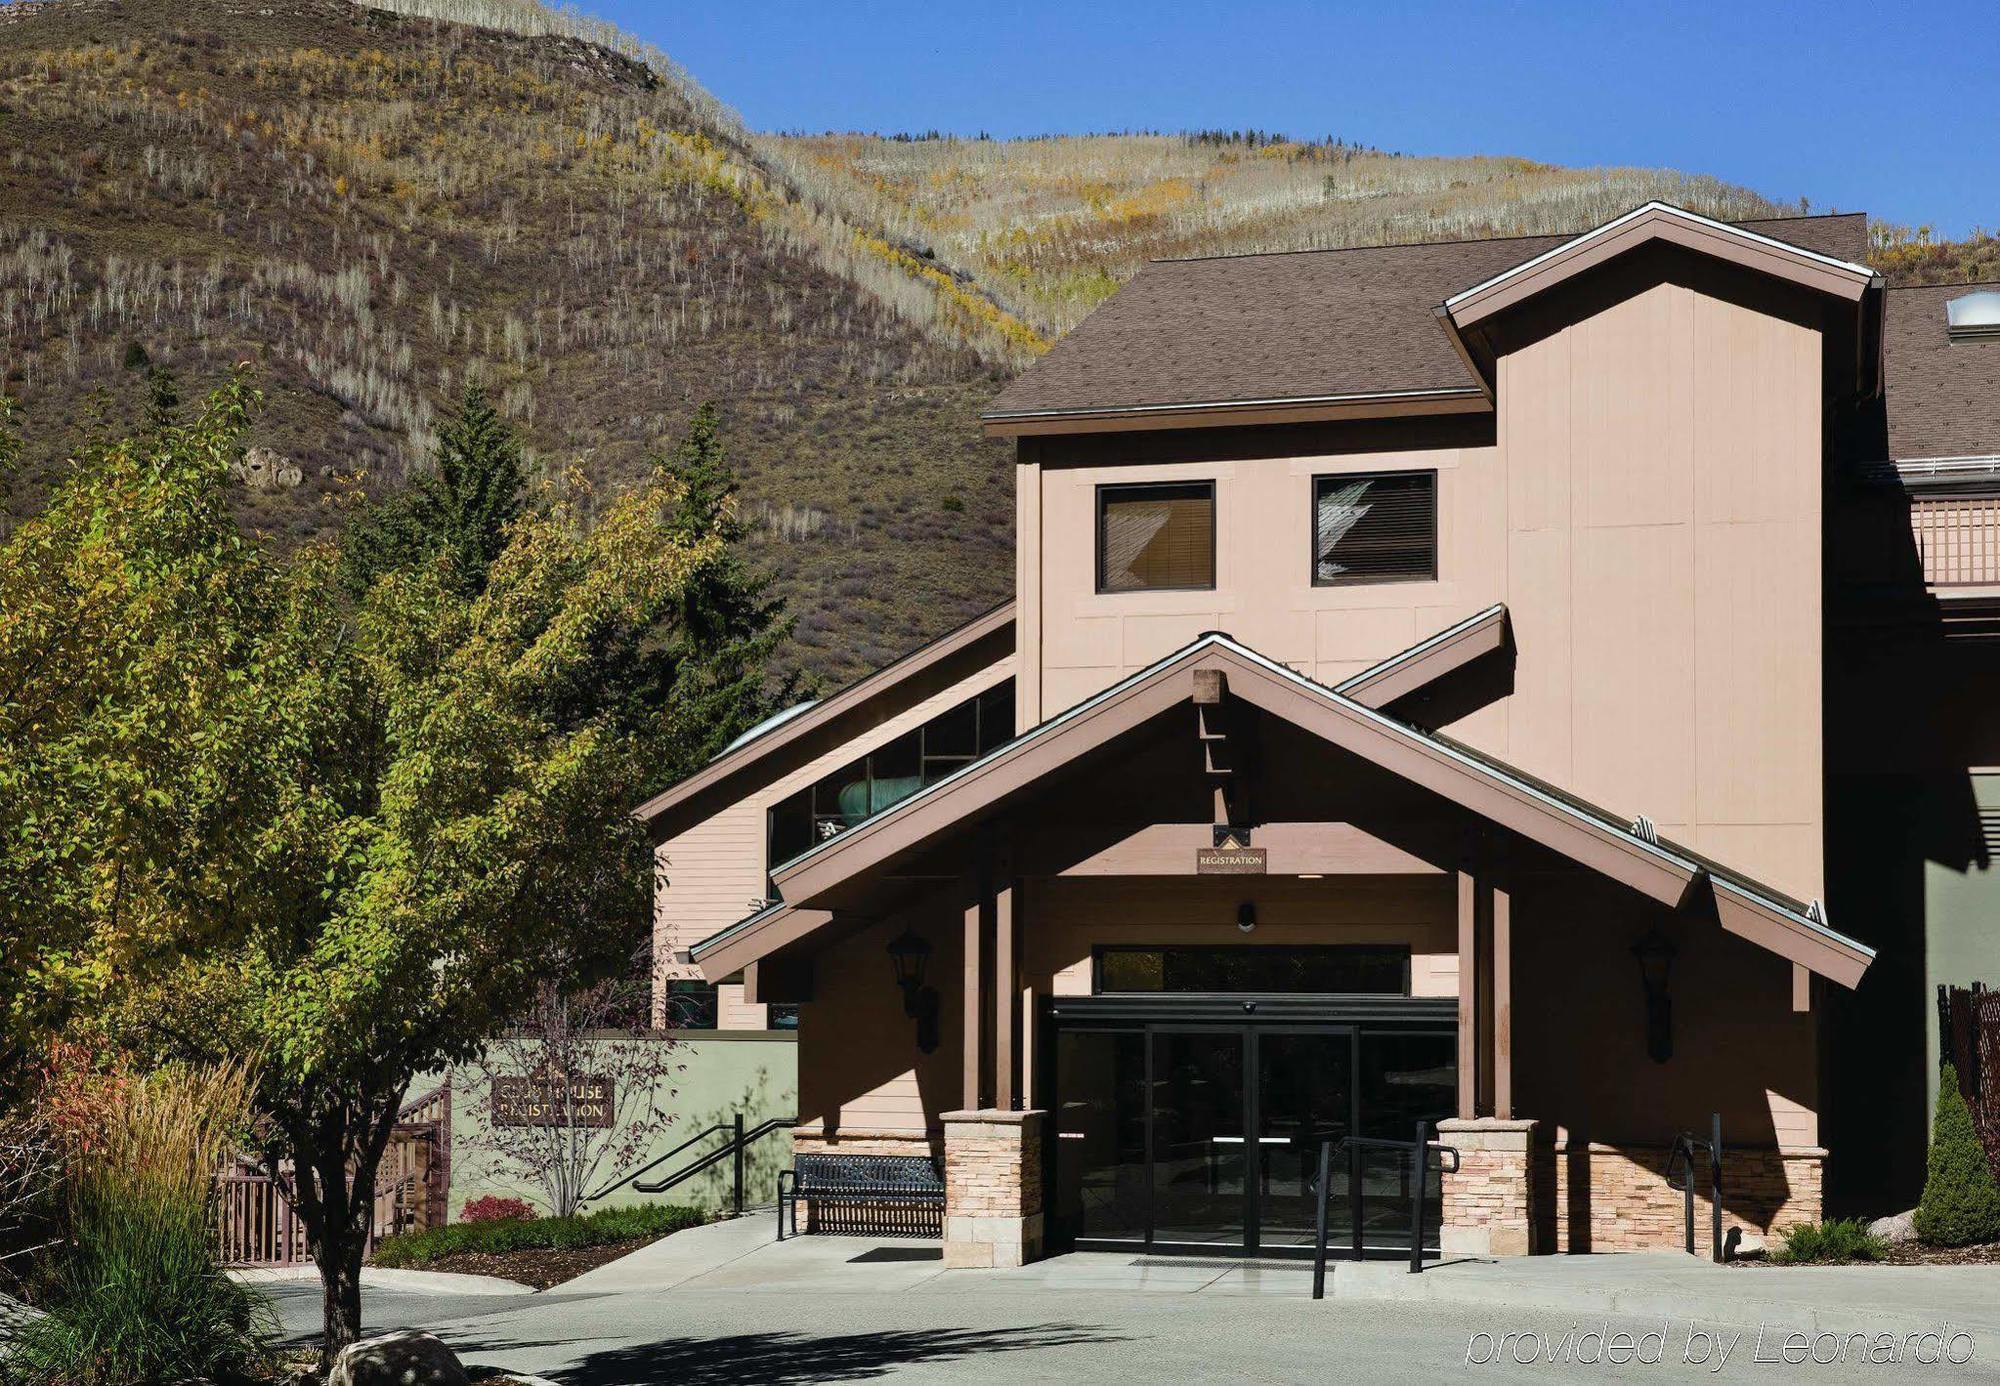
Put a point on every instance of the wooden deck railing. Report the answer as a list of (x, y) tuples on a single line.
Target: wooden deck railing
[(255, 1224), (1958, 538)]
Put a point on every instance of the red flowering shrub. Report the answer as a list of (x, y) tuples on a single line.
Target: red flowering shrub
[(494, 1208)]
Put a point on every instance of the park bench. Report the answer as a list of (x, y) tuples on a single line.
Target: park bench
[(909, 1181)]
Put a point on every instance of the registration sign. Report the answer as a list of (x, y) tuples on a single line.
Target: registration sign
[(1229, 861), (540, 1100)]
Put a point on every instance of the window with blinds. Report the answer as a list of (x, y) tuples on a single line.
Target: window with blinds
[(1374, 527), (1156, 538)]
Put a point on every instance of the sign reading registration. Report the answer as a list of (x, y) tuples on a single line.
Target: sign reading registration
[(1229, 861), (540, 1100)]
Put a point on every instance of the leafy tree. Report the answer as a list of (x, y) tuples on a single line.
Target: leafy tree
[(1961, 1201), (237, 818), (460, 508)]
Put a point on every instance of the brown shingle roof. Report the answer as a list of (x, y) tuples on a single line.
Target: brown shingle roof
[(1301, 324), (1943, 397)]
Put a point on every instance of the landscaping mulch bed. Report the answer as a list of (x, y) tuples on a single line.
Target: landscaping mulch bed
[(542, 1267), (1911, 1254)]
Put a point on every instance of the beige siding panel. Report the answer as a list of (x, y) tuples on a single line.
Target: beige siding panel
[(1633, 713)]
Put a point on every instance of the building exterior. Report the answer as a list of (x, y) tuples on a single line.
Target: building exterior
[(1532, 686)]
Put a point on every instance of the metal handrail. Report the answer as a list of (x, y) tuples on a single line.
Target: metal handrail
[(1681, 1158), (1419, 1149), (739, 1141)]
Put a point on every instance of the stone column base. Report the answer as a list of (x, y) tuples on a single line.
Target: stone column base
[(1489, 1205), (992, 1188)]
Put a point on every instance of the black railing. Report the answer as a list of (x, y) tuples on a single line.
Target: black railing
[(1681, 1158), (1418, 1150), (732, 1150)]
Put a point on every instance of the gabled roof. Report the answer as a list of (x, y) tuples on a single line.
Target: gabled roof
[(1301, 334), (1626, 852), (796, 725), (1658, 221)]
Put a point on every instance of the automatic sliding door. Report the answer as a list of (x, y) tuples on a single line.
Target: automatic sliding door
[(1305, 1083), (1199, 1157), (1404, 1078)]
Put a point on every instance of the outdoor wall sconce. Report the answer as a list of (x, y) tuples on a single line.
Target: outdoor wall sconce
[(1246, 916), (1655, 953), (909, 954)]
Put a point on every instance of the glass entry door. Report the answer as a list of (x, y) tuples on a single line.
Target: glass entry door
[(1304, 1088), (1203, 1137)]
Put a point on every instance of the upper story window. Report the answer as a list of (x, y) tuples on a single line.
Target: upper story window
[(1374, 527), (889, 774), (1156, 538)]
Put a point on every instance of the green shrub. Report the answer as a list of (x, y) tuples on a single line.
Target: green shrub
[(135, 1296), (1961, 1202), (420, 1249), (1829, 1243)]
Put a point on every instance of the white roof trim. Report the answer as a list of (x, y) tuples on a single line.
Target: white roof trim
[(1693, 218)]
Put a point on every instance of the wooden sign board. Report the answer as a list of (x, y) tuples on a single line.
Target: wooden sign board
[(1229, 861), (539, 1101)]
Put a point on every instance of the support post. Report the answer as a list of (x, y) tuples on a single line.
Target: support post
[(1468, 996), (974, 1013), (1503, 1005), (737, 1149), (1006, 1003)]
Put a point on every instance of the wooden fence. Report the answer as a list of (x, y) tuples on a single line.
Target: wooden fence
[(255, 1224), (1969, 1040)]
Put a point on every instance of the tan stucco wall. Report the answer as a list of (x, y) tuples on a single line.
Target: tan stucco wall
[(1649, 512)]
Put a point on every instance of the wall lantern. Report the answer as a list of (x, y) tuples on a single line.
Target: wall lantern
[(1655, 953), (909, 954)]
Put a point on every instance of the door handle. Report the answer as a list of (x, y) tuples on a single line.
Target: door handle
[(1243, 1140)]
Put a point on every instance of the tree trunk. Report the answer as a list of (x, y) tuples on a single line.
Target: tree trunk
[(339, 1261)]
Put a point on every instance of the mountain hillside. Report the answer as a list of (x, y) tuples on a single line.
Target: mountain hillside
[(370, 206), (1050, 227), (372, 202)]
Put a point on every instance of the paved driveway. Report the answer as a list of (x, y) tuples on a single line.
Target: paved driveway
[(725, 1306)]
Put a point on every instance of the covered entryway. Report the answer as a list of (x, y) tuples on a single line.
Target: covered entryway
[(1181, 1124)]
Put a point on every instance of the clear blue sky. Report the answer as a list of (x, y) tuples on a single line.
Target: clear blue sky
[(1873, 107)]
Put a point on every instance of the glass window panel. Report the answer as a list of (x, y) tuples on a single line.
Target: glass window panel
[(955, 733), (1100, 1121), (897, 771), (690, 1006), (1335, 968), (791, 827), (1155, 538), (1374, 527), (996, 716)]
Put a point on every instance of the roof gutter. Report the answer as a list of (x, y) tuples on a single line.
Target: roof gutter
[(1015, 423)]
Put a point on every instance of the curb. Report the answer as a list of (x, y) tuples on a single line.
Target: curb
[(386, 1278)]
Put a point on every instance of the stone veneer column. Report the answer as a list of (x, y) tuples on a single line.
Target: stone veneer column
[(992, 1188), (1489, 1206)]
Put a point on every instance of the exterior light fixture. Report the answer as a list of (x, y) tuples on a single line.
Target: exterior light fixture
[(909, 953), (1655, 953), (1246, 916)]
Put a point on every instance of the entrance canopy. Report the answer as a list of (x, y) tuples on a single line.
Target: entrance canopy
[(1215, 673)]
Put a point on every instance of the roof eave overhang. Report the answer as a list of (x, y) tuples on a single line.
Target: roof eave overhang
[(1651, 867), (1466, 315), (841, 704), (1381, 404)]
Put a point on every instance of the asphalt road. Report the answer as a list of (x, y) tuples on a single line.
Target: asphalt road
[(694, 1337)]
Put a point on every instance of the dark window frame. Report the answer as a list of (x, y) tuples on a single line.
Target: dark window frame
[(1312, 528), (1105, 490), (1098, 952), (996, 701)]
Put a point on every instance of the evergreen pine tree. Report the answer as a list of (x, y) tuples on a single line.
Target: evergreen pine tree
[(712, 674), (460, 508), (1961, 1201)]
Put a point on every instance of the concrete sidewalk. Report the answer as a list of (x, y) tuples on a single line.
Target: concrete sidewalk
[(741, 1256)]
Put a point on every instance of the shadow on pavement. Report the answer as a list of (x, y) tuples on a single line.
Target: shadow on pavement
[(793, 1359)]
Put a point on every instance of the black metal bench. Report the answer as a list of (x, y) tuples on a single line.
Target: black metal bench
[(909, 1181)]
